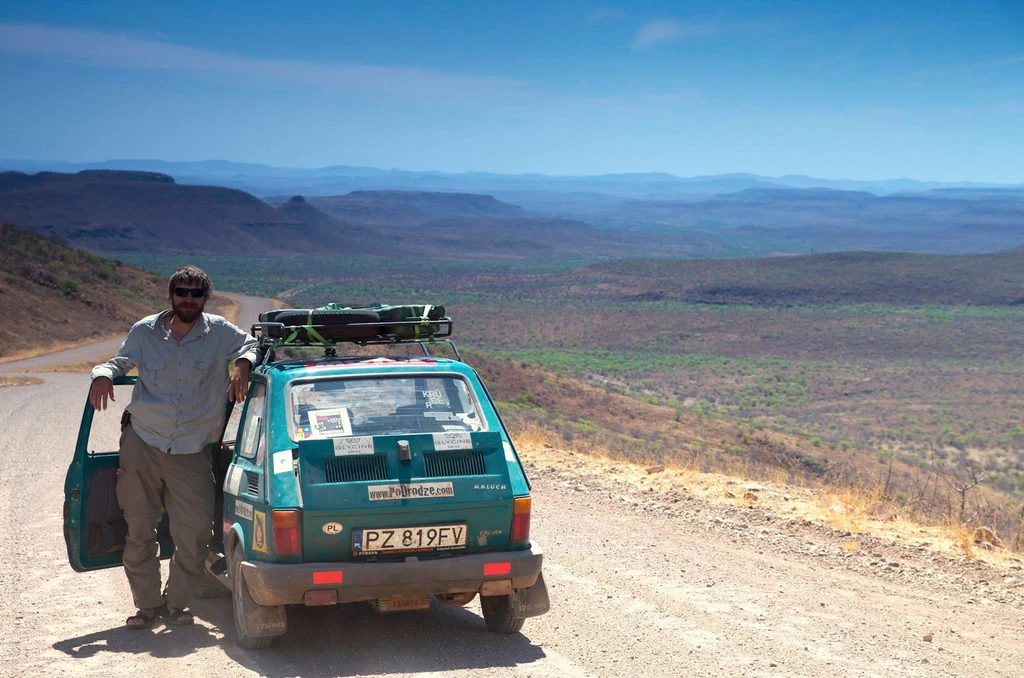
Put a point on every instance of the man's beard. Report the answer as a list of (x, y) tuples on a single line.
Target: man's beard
[(188, 315)]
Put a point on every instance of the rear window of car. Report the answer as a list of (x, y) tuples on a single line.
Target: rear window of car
[(363, 406)]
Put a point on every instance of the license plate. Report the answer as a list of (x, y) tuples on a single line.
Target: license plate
[(408, 539)]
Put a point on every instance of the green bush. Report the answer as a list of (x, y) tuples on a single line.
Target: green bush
[(68, 285)]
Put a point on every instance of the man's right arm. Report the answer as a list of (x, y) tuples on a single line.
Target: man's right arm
[(103, 375)]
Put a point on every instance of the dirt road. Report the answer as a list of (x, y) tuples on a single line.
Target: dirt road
[(642, 584), (248, 312)]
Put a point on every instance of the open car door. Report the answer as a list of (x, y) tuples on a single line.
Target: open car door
[(94, 526)]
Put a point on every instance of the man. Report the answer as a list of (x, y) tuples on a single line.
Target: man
[(177, 409)]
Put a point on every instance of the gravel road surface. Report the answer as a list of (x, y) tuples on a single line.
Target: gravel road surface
[(642, 583)]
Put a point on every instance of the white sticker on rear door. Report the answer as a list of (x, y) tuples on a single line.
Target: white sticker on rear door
[(353, 445), (243, 510), (330, 423), (453, 440), (282, 461)]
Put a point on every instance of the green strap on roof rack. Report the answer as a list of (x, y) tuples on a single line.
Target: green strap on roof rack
[(310, 332)]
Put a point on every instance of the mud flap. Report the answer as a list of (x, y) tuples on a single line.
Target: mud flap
[(258, 620), (531, 602)]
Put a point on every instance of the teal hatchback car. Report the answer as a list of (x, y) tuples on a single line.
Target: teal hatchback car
[(378, 478)]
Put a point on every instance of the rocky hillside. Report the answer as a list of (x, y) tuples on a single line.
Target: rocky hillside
[(113, 211), (52, 293)]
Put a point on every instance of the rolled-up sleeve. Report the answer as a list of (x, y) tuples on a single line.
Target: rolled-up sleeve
[(127, 356), (239, 344)]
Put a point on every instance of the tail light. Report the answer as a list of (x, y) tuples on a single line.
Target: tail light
[(286, 532), (521, 519)]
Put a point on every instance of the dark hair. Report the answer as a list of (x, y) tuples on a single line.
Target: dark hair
[(190, 274)]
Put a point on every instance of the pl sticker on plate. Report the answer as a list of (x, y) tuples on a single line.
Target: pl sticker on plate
[(331, 528)]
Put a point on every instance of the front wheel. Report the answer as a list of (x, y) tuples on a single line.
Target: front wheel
[(248, 614), (498, 614)]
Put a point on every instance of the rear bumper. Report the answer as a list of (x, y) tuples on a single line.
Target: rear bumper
[(276, 584)]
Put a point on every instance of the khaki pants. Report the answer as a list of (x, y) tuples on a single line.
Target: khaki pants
[(147, 480)]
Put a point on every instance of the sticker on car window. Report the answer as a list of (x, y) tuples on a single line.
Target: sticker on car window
[(353, 445), (434, 397), (442, 416), (330, 423), (453, 440)]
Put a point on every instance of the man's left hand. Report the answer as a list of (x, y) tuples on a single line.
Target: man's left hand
[(239, 385)]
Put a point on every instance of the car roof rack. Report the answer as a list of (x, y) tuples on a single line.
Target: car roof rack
[(425, 333)]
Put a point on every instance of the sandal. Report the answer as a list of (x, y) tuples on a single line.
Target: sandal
[(180, 618), (144, 619)]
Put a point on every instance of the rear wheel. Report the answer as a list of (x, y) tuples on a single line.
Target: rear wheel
[(244, 606), (498, 614), (209, 587)]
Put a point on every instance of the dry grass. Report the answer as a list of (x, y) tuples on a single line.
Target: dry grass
[(83, 367), (860, 511), (19, 381)]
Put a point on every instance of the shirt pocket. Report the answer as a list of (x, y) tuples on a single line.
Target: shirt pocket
[(201, 370), (152, 373)]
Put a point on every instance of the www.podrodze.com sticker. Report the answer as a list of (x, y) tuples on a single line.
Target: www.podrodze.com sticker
[(411, 491)]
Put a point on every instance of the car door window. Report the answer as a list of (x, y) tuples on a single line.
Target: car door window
[(252, 424)]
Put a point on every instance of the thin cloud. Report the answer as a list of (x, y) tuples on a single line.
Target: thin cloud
[(1002, 62), (668, 30), (118, 50)]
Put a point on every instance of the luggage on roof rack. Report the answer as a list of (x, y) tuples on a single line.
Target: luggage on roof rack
[(334, 323), (316, 325)]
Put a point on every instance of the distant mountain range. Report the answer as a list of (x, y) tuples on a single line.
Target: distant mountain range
[(139, 211), (523, 189)]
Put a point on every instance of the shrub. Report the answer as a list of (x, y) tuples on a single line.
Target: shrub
[(68, 285)]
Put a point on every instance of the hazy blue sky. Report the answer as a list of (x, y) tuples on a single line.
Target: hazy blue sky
[(930, 90)]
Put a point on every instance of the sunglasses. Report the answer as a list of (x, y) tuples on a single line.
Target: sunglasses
[(194, 292)]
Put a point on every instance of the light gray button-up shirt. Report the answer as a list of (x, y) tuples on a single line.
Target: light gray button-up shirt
[(178, 402)]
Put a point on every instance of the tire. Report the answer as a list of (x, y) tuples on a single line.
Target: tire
[(242, 603), (498, 614), (209, 587), (334, 325)]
